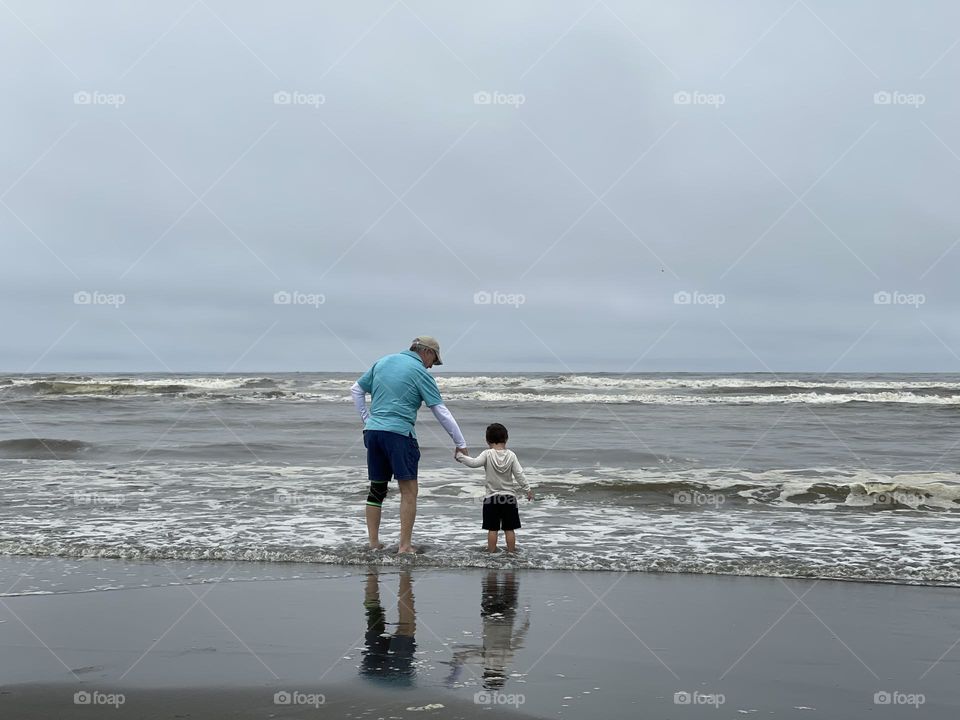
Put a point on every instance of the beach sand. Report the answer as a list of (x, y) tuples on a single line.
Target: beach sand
[(315, 641)]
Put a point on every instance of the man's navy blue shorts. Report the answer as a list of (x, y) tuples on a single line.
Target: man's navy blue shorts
[(500, 512), (391, 455)]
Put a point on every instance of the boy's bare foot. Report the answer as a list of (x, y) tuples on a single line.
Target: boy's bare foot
[(408, 550)]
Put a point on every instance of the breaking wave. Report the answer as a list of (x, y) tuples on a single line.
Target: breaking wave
[(560, 389)]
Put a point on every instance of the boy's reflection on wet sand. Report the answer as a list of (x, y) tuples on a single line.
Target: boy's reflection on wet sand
[(498, 609)]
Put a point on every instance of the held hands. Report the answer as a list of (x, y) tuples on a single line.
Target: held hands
[(460, 451)]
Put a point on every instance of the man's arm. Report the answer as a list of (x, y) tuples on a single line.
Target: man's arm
[(444, 417), (430, 394), (360, 401)]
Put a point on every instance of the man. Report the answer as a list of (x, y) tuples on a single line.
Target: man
[(398, 384)]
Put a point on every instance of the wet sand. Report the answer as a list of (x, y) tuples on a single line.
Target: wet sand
[(446, 643)]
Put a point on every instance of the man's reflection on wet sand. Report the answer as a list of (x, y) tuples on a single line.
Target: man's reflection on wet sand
[(499, 594), (389, 657)]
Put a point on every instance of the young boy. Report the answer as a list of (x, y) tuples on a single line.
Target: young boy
[(504, 474)]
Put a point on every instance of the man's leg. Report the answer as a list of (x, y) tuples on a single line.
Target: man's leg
[(408, 513), (511, 537), (492, 540), (373, 526), (371, 594), (378, 467), (378, 491), (407, 621)]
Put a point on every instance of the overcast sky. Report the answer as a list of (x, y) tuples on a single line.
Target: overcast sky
[(234, 186)]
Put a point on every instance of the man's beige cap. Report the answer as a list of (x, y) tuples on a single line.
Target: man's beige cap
[(431, 343)]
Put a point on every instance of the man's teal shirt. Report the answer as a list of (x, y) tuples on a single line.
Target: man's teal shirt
[(398, 384)]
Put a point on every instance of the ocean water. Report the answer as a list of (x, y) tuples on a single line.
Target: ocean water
[(796, 475)]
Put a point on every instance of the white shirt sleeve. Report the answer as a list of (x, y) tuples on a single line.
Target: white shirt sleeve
[(479, 461), (519, 476), (444, 417), (360, 401)]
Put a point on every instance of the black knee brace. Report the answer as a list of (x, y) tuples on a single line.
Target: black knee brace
[(378, 491)]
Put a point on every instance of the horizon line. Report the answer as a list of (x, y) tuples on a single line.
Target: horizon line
[(490, 371)]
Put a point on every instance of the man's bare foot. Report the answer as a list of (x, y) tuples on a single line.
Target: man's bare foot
[(408, 550), (376, 546)]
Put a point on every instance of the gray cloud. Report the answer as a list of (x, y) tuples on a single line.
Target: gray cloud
[(698, 192)]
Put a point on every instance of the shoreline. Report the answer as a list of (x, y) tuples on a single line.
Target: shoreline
[(420, 562)]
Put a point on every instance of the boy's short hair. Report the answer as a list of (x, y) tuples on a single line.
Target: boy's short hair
[(496, 433)]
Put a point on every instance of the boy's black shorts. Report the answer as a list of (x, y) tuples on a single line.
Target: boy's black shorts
[(500, 512)]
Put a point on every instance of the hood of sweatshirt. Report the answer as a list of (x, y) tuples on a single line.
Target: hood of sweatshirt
[(501, 460)]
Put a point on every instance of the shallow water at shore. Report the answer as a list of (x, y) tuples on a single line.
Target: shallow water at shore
[(847, 477)]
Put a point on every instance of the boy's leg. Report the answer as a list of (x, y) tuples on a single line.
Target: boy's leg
[(511, 537), (492, 540)]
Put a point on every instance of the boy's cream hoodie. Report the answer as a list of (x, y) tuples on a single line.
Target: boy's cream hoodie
[(502, 468)]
